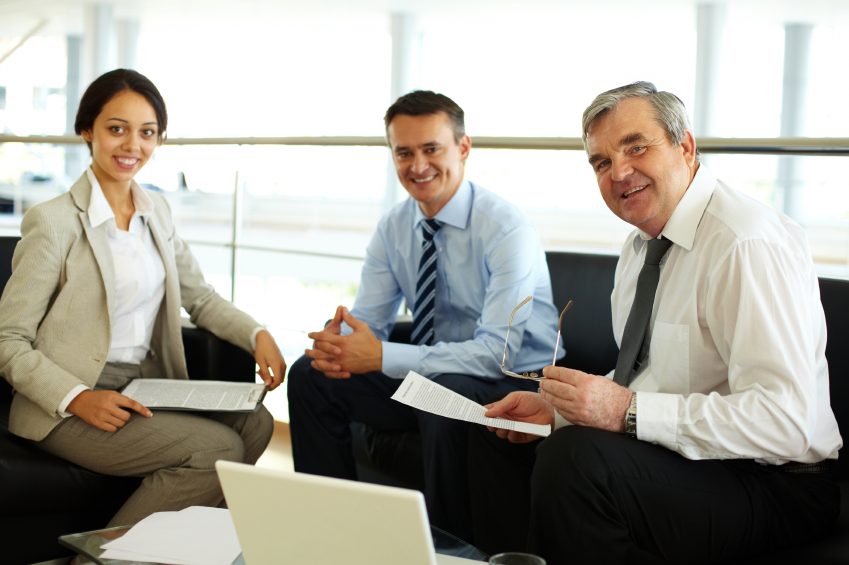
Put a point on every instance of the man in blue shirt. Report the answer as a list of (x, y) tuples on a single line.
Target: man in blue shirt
[(463, 259)]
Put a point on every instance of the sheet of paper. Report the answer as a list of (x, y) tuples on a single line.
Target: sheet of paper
[(194, 536), (194, 395), (424, 394)]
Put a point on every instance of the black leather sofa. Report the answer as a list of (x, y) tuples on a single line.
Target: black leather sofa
[(43, 497), (587, 279)]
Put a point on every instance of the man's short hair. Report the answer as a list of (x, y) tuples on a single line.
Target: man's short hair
[(669, 110), (427, 103)]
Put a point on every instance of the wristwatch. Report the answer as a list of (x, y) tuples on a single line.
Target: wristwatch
[(631, 418)]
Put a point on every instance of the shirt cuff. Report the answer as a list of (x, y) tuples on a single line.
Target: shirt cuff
[(253, 336), (400, 358), (560, 421), (63, 406), (657, 418)]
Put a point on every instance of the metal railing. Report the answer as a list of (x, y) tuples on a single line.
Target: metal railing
[(838, 146), (806, 146)]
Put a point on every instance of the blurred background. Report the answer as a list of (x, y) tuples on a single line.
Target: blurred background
[(275, 167)]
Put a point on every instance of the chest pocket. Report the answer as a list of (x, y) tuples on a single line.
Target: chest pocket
[(670, 357)]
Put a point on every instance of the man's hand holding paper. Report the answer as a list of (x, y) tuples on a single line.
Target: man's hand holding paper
[(424, 394), (521, 407)]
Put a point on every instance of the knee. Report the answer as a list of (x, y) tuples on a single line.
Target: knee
[(301, 380), (262, 424), (226, 446), (572, 456), (233, 450), (441, 430)]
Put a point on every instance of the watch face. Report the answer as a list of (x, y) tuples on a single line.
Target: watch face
[(631, 418)]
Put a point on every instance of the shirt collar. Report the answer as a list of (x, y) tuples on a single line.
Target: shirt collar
[(681, 226), (99, 210), (455, 212)]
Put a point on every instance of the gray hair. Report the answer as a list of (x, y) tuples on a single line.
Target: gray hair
[(669, 109)]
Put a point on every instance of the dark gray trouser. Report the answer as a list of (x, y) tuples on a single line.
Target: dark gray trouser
[(321, 410), (585, 495), (175, 452)]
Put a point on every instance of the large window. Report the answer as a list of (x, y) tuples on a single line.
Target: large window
[(306, 213)]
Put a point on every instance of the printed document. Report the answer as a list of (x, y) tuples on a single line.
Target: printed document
[(424, 394), (194, 536), (173, 394)]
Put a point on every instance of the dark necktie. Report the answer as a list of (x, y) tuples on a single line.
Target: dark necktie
[(640, 315), (425, 287)]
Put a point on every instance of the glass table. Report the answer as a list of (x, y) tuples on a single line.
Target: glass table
[(88, 546)]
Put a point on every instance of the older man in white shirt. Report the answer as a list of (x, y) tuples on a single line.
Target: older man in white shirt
[(714, 437)]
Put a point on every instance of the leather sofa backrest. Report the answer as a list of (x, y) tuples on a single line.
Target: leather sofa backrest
[(587, 327), (834, 295), (7, 250)]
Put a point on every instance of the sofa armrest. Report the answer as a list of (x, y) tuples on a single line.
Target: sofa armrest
[(210, 358)]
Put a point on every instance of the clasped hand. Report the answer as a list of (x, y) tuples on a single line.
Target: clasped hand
[(340, 356), (580, 398)]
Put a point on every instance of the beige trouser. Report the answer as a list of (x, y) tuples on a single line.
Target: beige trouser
[(175, 452)]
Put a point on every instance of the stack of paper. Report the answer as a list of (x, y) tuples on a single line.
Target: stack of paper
[(194, 536)]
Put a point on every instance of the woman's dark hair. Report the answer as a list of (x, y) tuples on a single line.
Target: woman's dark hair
[(110, 84), (426, 103)]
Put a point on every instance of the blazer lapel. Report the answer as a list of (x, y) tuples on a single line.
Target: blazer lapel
[(172, 338), (98, 239)]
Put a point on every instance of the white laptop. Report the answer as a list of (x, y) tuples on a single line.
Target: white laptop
[(301, 519)]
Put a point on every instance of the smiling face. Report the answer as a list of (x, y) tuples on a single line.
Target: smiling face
[(122, 138), (641, 174), (429, 163)]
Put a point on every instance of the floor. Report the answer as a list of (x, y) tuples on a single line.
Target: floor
[(278, 454)]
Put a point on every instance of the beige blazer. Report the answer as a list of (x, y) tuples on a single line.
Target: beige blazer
[(57, 308)]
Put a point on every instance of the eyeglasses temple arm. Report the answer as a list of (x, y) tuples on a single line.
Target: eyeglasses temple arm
[(559, 323)]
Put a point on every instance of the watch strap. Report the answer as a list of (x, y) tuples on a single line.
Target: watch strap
[(631, 417)]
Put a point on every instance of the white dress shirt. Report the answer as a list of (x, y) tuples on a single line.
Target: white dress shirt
[(736, 365)]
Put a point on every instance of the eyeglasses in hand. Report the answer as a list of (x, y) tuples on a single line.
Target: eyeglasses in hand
[(532, 376)]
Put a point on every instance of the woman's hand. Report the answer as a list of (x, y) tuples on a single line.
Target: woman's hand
[(521, 407), (272, 366), (104, 409)]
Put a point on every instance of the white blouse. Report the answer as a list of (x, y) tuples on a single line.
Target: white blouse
[(139, 279)]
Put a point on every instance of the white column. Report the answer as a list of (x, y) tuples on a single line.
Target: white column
[(406, 55), (406, 76), (128, 44), (710, 24), (75, 155), (794, 102), (98, 50)]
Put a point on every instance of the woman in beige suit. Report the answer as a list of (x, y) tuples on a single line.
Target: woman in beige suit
[(98, 280)]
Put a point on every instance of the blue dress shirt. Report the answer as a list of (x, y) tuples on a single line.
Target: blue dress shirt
[(489, 259)]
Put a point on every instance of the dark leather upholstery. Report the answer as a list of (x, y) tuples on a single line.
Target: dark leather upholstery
[(43, 497), (587, 331)]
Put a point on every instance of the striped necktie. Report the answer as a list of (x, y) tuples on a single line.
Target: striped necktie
[(425, 287), (634, 335)]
